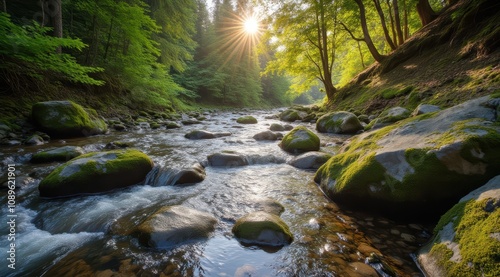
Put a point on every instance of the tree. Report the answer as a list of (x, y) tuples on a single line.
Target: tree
[(366, 33), (306, 34), (425, 12)]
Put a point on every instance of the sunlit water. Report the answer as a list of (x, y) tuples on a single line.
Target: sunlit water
[(85, 235)]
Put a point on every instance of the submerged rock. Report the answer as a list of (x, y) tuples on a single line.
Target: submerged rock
[(175, 225), (300, 140), (467, 238), (96, 172), (310, 160), (277, 127), (247, 120), (421, 163), (199, 134), (61, 154), (261, 228), (66, 119), (227, 159), (339, 123)]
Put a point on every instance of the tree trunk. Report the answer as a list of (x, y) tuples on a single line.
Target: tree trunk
[(384, 26), (397, 20), (57, 19), (109, 38), (425, 12), (406, 28), (368, 40), (325, 54), (4, 6)]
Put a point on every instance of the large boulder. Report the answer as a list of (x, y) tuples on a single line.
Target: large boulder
[(266, 135), (425, 108), (339, 123), (310, 160), (66, 119), (300, 140), (61, 154), (422, 163), (262, 228), (290, 115), (96, 172), (175, 225), (467, 238)]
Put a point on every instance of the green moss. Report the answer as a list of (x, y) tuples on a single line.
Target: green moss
[(247, 120), (252, 225), (128, 168), (393, 92), (473, 226), (300, 139)]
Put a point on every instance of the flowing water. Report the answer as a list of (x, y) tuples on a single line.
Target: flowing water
[(82, 235)]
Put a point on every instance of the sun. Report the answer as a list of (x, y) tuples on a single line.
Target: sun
[(251, 25)]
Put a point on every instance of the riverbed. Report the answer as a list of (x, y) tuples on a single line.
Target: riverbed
[(81, 235)]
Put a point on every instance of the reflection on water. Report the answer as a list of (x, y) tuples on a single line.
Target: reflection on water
[(90, 235)]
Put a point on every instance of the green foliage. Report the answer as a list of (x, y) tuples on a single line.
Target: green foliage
[(29, 50)]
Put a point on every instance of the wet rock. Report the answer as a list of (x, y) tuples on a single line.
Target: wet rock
[(288, 127), (261, 228), (300, 140), (61, 154), (116, 145), (155, 125), (190, 122), (277, 127), (247, 120), (172, 125), (175, 225), (35, 140), (364, 118), (290, 115), (192, 175), (227, 159), (464, 243), (66, 119), (270, 206), (363, 269), (199, 134), (339, 123), (119, 127), (266, 135), (96, 172), (310, 160), (425, 108), (440, 158)]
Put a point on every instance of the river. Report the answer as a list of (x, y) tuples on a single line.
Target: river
[(80, 235)]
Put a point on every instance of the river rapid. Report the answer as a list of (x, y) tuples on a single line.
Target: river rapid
[(81, 235)]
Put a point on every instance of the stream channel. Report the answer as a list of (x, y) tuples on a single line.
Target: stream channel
[(77, 236)]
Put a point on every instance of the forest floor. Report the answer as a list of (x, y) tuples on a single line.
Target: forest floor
[(439, 76)]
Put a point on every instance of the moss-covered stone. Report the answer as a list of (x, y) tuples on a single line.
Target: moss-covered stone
[(467, 237), (61, 154), (261, 228), (339, 123), (394, 114), (300, 140), (418, 163), (247, 120), (96, 172), (66, 119), (290, 115)]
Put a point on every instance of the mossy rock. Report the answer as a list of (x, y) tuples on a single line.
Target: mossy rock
[(247, 120), (66, 119), (467, 237), (420, 164), (339, 123), (61, 154), (300, 140), (96, 172), (394, 115), (290, 115), (262, 228), (174, 225), (193, 175)]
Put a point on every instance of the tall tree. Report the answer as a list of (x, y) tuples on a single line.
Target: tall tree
[(306, 33), (425, 12), (366, 33)]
